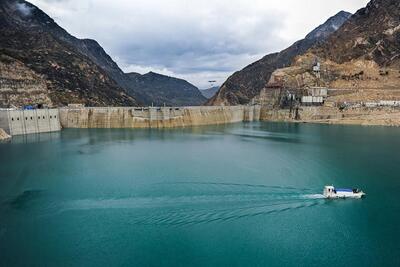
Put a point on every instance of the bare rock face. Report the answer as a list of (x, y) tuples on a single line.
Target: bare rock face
[(40, 66), (363, 54), (243, 85), (373, 33), (20, 86)]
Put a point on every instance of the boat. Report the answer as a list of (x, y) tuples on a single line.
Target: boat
[(331, 192)]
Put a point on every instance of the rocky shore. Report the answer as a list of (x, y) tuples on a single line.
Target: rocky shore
[(4, 136), (383, 116)]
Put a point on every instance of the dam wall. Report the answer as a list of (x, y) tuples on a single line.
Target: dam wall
[(19, 122), (155, 117)]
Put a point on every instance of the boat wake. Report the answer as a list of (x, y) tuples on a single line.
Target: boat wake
[(200, 203), (178, 203), (314, 196)]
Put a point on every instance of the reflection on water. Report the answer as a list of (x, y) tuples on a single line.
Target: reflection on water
[(35, 138)]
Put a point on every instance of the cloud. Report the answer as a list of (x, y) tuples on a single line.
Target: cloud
[(191, 39)]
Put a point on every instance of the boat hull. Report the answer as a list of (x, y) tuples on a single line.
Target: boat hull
[(335, 196)]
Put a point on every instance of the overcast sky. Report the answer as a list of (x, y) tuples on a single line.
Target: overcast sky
[(197, 40)]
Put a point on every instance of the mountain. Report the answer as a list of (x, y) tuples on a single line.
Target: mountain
[(159, 90), (243, 85), (363, 53), (210, 92), (150, 88), (147, 89), (40, 63), (373, 33)]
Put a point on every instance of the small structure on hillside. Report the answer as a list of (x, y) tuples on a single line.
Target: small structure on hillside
[(317, 70), (76, 105), (315, 96), (318, 91), (312, 100), (276, 82)]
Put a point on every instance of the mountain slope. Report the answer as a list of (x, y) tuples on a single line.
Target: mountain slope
[(64, 69), (150, 88), (145, 90), (243, 85), (373, 33), (210, 92), (35, 43), (363, 53), (157, 89)]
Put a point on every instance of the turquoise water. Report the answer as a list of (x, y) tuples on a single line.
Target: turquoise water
[(235, 195)]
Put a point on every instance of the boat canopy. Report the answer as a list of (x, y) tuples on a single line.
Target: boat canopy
[(344, 190)]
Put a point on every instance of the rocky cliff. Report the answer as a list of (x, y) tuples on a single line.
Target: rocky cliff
[(243, 85)]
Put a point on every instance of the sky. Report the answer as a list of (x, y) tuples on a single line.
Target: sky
[(196, 40)]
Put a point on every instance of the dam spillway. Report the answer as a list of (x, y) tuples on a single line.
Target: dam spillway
[(155, 117)]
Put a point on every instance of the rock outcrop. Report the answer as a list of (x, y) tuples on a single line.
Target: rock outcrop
[(4, 136), (243, 85)]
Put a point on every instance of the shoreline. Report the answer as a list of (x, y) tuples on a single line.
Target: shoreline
[(363, 116)]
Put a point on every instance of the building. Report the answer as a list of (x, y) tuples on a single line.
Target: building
[(312, 100)]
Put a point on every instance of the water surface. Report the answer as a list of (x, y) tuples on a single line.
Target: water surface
[(234, 195)]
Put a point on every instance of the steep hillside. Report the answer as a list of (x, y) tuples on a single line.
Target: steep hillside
[(373, 33), (243, 85), (63, 69), (210, 92), (363, 54), (157, 89), (44, 67)]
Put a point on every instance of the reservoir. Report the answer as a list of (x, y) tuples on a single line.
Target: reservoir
[(245, 194)]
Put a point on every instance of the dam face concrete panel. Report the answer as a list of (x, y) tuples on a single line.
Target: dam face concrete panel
[(18, 122), (155, 117)]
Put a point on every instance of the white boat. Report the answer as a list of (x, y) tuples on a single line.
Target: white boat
[(331, 192)]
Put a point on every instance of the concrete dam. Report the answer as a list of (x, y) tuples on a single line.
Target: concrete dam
[(155, 117), (20, 122)]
